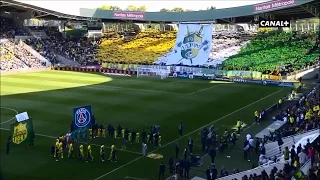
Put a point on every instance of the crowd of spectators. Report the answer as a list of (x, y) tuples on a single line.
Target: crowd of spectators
[(26, 56), (82, 50), (302, 117), (14, 56), (224, 48), (9, 29), (294, 158), (8, 60)]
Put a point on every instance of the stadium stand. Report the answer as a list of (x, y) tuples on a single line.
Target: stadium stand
[(81, 49), (270, 52), (8, 61), (14, 56), (145, 47), (9, 29), (154, 47), (305, 109), (273, 50)]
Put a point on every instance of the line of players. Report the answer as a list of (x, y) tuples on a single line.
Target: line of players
[(64, 142), (153, 137)]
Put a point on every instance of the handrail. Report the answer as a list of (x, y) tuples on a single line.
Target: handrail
[(261, 167)]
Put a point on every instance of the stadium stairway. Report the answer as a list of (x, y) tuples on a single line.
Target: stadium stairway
[(66, 61), (197, 178), (36, 54), (257, 170), (37, 34), (272, 148)]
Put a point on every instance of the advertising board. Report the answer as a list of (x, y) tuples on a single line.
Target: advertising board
[(241, 80), (278, 83)]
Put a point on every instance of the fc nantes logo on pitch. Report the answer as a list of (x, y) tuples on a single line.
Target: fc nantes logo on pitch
[(82, 117), (192, 43), (20, 133)]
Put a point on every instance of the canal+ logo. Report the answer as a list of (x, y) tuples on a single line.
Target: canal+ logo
[(274, 23)]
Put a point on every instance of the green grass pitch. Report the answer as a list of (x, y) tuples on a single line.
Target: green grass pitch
[(50, 96)]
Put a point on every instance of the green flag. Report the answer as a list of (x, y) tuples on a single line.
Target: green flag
[(21, 132)]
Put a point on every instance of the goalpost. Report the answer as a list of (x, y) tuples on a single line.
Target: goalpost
[(153, 71)]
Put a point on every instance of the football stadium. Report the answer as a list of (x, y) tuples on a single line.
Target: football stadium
[(112, 94)]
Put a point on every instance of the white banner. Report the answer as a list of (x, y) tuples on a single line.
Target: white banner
[(193, 45), (22, 116)]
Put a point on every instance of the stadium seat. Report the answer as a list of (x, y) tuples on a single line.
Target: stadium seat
[(272, 50), (146, 47)]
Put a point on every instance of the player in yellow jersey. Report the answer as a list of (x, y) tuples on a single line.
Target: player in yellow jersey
[(70, 151), (115, 134), (80, 154), (56, 148), (89, 153), (148, 137), (111, 152), (122, 133), (130, 136), (102, 153), (90, 133), (138, 137), (103, 133), (60, 137), (99, 132), (61, 149)]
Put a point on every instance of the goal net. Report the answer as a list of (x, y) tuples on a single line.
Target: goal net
[(153, 71)]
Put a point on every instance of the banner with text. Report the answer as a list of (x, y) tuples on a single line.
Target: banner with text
[(128, 15), (271, 77), (193, 45), (272, 5)]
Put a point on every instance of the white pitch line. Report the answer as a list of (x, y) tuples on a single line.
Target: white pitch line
[(102, 87), (205, 89), (171, 177), (217, 120), (129, 177), (10, 110), (55, 137)]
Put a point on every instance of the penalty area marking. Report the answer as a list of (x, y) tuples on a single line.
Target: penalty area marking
[(217, 120), (53, 137), (205, 89), (10, 110)]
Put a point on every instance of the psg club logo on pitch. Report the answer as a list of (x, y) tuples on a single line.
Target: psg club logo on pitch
[(82, 117)]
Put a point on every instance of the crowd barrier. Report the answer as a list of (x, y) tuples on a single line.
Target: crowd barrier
[(194, 71), (95, 69), (197, 71), (18, 71), (305, 168)]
